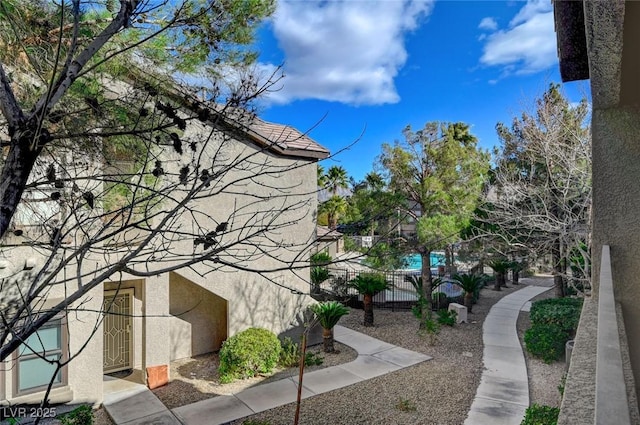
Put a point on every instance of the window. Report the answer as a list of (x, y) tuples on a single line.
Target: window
[(34, 372)]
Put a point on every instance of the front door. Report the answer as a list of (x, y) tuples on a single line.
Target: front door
[(118, 330)]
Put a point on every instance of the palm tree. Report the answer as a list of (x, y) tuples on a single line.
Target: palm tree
[(500, 267), (368, 285), (469, 283), (516, 267), (336, 179), (322, 178), (328, 314), (334, 207)]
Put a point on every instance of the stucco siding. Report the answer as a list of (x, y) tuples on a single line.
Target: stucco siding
[(616, 221), (198, 319)]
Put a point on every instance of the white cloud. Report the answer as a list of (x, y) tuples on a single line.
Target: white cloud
[(528, 45), (344, 51), (488, 24)]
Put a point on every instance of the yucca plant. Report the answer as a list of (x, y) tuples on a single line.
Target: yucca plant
[(368, 285), (469, 284), (329, 313)]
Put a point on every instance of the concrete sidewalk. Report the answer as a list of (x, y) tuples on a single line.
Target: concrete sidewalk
[(503, 394), (134, 404)]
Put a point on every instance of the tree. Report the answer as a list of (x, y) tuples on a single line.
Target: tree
[(68, 48), (334, 207), (541, 197), (500, 267), (336, 179), (329, 313), (125, 173), (322, 177), (470, 283), (440, 173), (368, 285), (371, 207)]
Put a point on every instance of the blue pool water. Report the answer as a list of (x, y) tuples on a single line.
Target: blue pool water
[(414, 261)]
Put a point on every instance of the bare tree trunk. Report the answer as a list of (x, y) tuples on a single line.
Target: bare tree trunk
[(427, 286), (15, 174), (368, 310), (558, 281)]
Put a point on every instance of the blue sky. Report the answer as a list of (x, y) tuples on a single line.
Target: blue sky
[(375, 66)]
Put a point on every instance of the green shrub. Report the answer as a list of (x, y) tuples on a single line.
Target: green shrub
[(313, 359), (289, 353), (446, 317), (546, 341), (81, 415), (417, 308), (248, 354), (431, 328), (563, 312), (540, 415), (554, 321), (321, 258)]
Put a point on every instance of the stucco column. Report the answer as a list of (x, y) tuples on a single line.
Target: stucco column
[(616, 212), (156, 322)]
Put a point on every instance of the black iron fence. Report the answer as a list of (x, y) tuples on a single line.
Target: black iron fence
[(401, 294)]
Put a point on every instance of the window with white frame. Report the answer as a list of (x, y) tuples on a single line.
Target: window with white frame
[(36, 357)]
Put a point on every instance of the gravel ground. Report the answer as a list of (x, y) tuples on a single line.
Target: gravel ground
[(439, 391), (196, 379)]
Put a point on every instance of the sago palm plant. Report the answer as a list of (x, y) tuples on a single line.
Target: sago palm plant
[(500, 268), (318, 275), (329, 313), (368, 285), (469, 284)]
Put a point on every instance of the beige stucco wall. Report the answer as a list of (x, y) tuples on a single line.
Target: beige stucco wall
[(261, 190), (198, 319), (82, 321), (616, 219)]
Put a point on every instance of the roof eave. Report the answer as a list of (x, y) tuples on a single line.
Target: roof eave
[(572, 41)]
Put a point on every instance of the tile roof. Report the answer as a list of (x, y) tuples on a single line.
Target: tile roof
[(287, 138)]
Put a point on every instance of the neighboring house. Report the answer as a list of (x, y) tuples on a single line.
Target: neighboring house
[(330, 241), (183, 313), (599, 40)]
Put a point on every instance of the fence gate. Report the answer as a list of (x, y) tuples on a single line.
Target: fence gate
[(118, 330)]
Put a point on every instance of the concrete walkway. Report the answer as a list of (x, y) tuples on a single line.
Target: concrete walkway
[(503, 394), (134, 404), (501, 398), (131, 403)]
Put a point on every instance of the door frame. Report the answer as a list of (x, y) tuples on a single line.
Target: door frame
[(130, 293)]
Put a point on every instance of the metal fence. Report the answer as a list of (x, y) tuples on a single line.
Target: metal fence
[(401, 294)]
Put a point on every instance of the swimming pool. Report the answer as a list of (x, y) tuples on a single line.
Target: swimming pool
[(414, 261)]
